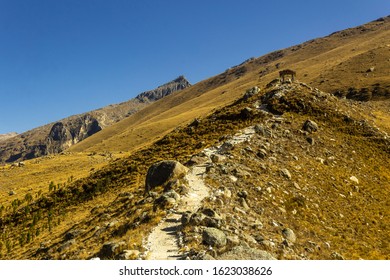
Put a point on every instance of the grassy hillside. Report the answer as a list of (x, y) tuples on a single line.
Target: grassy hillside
[(334, 63), (67, 206)]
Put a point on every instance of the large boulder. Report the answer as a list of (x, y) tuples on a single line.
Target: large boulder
[(163, 172), (111, 249), (214, 237), (244, 252)]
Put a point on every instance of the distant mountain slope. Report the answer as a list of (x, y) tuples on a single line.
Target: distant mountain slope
[(353, 63), (57, 137), (7, 136)]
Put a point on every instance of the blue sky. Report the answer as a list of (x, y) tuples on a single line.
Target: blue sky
[(63, 57)]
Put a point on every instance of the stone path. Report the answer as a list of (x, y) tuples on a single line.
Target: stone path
[(163, 241)]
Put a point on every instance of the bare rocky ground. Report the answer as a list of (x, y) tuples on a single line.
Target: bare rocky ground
[(165, 241)]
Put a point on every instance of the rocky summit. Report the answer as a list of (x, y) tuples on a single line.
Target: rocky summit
[(284, 156)]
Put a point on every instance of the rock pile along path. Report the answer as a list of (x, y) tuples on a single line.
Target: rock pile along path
[(163, 241)]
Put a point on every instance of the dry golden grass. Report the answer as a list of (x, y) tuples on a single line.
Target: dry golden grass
[(159, 132), (331, 63), (35, 176)]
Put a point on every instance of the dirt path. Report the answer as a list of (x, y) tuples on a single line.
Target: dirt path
[(163, 241)]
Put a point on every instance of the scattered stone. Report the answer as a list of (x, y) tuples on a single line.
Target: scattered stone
[(286, 173), (210, 212), (268, 244), (354, 179), (371, 69), (330, 160), (310, 140), (72, 234), (289, 235), (243, 203), (240, 173), (186, 218), (111, 249), (99, 209), (165, 201), (263, 131), (104, 217), (232, 240), (249, 239), (207, 257), (243, 194), (223, 191), (162, 172), (11, 192), (262, 153), (257, 225), (310, 126), (246, 113), (196, 160), (244, 252), (296, 185), (239, 210), (66, 245), (233, 178), (250, 92), (129, 255), (226, 147), (112, 223), (259, 238), (337, 256), (216, 158), (214, 237)]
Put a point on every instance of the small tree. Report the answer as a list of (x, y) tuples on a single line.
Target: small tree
[(28, 198), (52, 186)]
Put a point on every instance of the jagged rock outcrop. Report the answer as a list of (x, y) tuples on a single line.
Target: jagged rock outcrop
[(56, 137), (63, 135), (164, 90)]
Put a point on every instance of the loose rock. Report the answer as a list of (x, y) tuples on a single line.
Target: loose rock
[(310, 126), (289, 235), (286, 173), (214, 237)]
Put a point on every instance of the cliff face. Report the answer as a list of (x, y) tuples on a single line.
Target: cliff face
[(63, 135), (164, 90), (59, 136)]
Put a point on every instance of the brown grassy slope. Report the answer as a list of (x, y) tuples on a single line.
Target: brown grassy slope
[(207, 95), (335, 62), (110, 206)]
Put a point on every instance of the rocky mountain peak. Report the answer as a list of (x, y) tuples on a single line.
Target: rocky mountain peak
[(175, 85)]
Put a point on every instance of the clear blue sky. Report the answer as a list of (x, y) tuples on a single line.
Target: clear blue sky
[(63, 57)]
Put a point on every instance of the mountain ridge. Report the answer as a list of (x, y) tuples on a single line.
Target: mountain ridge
[(58, 136), (328, 63)]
